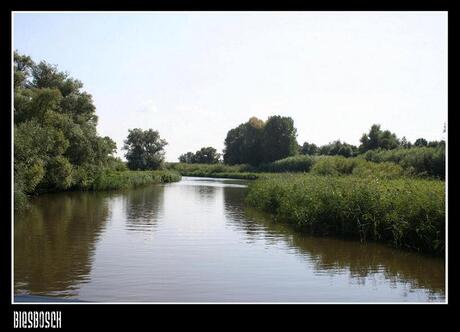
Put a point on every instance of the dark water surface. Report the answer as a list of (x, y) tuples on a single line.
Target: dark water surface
[(194, 241)]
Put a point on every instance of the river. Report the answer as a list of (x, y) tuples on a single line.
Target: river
[(194, 241)]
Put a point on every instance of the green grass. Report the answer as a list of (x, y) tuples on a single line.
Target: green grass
[(131, 179), (405, 212)]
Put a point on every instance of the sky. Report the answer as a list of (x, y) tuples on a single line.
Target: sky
[(193, 76)]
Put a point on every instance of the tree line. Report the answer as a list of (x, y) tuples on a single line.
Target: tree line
[(206, 155), (257, 142)]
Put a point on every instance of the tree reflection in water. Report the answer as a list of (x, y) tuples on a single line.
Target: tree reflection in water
[(333, 256), (143, 207), (55, 241)]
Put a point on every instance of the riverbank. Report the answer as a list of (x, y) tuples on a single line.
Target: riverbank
[(425, 163), (111, 180), (244, 172), (404, 212), (132, 179)]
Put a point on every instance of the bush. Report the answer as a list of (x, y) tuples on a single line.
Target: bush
[(419, 161), (337, 165), (385, 170), (289, 164)]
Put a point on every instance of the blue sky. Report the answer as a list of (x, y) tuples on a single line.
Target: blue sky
[(193, 76)]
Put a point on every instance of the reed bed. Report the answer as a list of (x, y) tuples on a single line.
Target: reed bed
[(405, 212)]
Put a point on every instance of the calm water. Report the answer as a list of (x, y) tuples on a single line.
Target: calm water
[(194, 241)]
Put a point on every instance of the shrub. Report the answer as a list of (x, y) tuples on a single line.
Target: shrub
[(420, 161), (333, 165), (386, 170), (289, 164)]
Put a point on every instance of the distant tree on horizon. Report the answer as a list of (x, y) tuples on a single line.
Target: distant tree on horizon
[(206, 155), (308, 149), (378, 139), (337, 148), (421, 142)]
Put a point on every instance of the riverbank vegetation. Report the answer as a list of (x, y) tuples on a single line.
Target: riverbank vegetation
[(56, 144), (113, 180), (213, 170), (416, 164), (407, 213)]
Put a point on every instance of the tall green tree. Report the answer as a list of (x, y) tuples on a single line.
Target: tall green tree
[(56, 145), (256, 141), (309, 149), (378, 139), (145, 149), (337, 148), (243, 144), (187, 158), (405, 143), (421, 142), (279, 138), (207, 155)]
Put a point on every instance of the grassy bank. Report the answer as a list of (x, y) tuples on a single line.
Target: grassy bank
[(320, 165), (132, 179), (243, 175), (109, 180), (214, 170), (408, 213)]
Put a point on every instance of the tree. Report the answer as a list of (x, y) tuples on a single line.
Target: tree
[(437, 144), (243, 144), (56, 145), (309, 149), (206, 155), (378, 139), (405, 143), (22, 69), (187, 158), (421, 142), (256, 141), (279, 138), (337, 148), (145, 149)]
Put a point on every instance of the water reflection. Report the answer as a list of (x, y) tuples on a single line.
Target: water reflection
[(52, 257), (143, 208), (195, 241), (331, 256)]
